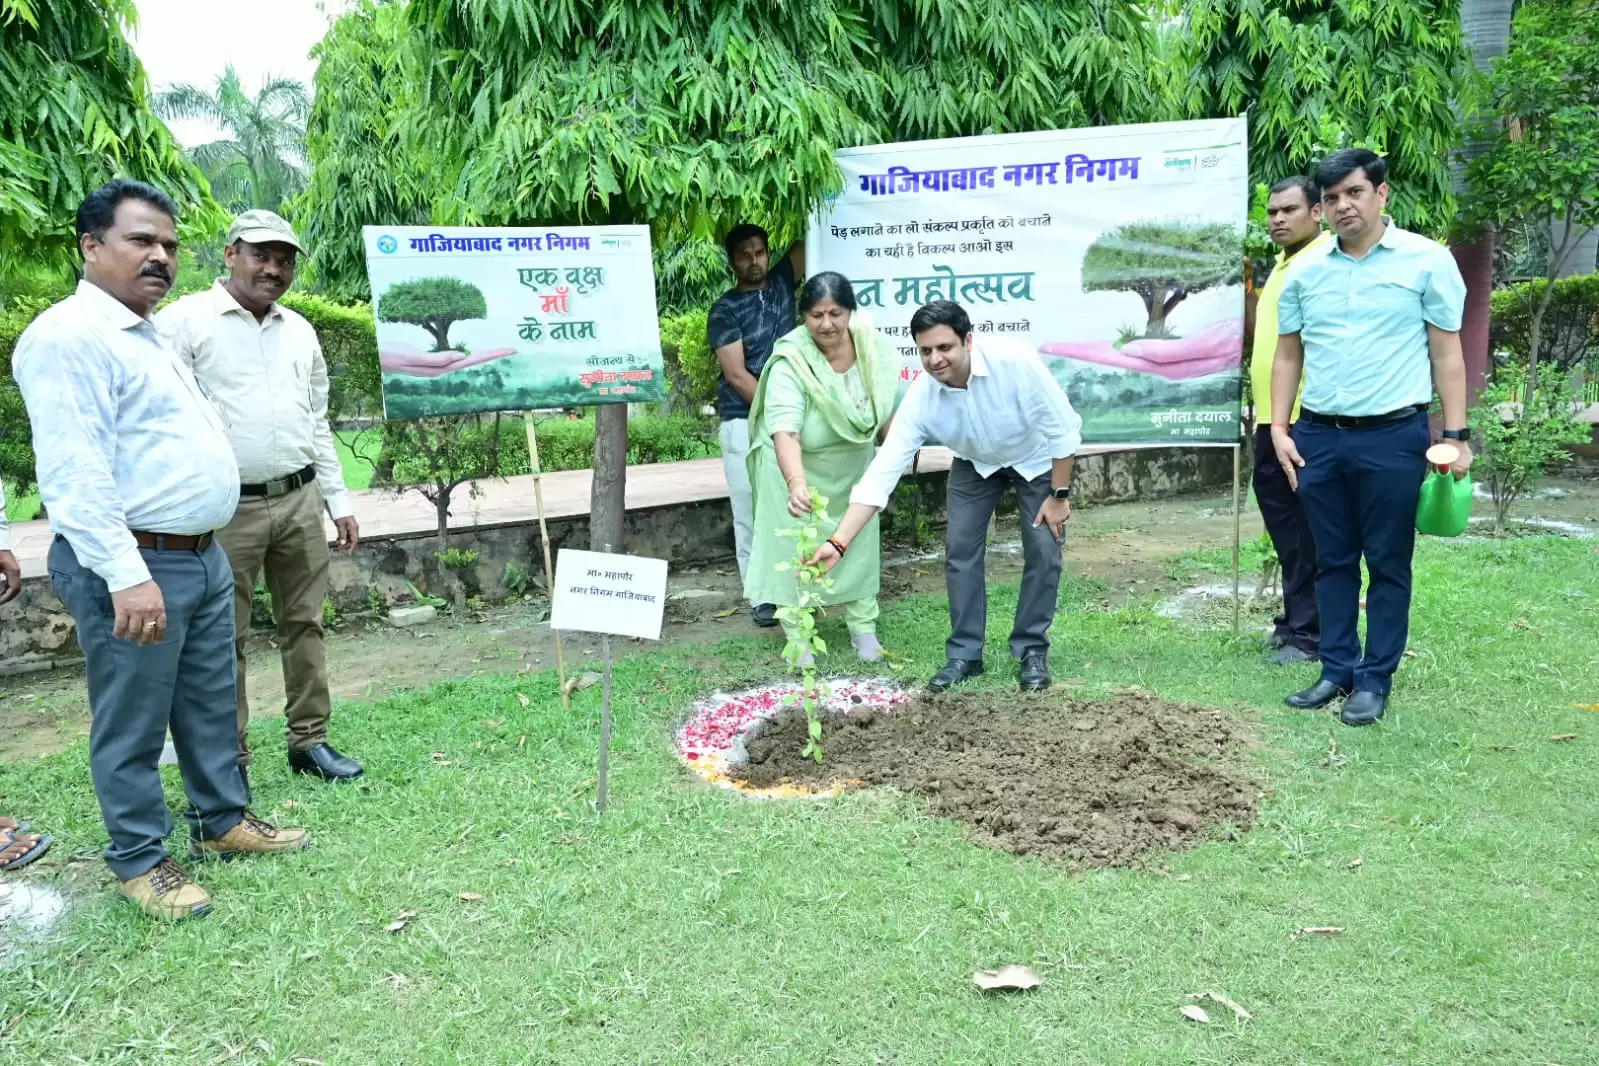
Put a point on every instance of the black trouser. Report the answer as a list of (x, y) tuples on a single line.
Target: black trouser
[(971, 503), (1284, 514)]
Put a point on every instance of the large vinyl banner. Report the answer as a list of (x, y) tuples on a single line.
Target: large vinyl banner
[(478, 319), (1116, 252)]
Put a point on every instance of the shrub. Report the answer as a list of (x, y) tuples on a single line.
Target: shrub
[(568, 443), (1519, 438), (1570, 334), (351, 349), (691, 366)]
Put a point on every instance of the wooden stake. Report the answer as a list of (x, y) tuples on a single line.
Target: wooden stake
[(1238, 452), (603, 797), (544, 539)]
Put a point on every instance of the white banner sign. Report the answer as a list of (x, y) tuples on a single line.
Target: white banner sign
[(485, 319), (597, 592), (1115, 252)]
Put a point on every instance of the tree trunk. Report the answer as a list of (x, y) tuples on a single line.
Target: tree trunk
[(441, 511), (607, 497), (1157, 313), (1486, 25), (441, 335)]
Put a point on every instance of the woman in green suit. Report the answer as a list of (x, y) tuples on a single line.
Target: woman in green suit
[(823, 402)]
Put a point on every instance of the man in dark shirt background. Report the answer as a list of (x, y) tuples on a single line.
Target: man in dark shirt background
[(744, 324)]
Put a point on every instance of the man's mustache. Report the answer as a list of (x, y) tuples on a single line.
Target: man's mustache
[(154, 271)]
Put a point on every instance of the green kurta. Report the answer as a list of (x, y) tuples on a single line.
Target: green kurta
[(837, 417)]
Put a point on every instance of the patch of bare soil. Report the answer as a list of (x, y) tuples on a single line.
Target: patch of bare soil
[(1097, 783)]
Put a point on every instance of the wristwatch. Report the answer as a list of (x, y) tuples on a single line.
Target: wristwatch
[(1462, 435), (1061, 494)]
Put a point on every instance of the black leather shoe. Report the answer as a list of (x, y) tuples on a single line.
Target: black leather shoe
[(1316, 696), (764, 615), (1035, 672), (324, 762), (1363, 708), (955, 671)]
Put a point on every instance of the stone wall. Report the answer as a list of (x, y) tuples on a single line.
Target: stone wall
[(36, 632)]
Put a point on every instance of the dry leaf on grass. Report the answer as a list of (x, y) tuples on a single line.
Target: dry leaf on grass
[(1007, 979), (399, 921), (470, 897), (441, 758), (1564, 736), (1195, 1014), (521, 697), (1357, 864), (730, 612), (1319, 930), (1216, 997)]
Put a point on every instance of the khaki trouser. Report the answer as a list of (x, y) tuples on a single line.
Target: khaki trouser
[(285, 536)]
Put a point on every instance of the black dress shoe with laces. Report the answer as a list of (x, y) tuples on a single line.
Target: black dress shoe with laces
[(1316, 696), (955, 671), (764, 615), (1034, 676), (1363, 708), (322, 761)]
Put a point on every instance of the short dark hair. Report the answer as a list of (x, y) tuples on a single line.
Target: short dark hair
[(941, 313), (1311, 190), (741, 233), (828, 285), (1341, 164), (99, 209)]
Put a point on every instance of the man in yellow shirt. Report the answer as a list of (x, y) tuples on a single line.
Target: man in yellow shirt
[(1293, 217)]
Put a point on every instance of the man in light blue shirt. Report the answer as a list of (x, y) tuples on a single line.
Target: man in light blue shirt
[(137, 473), (1008, 422), (1372, 321)]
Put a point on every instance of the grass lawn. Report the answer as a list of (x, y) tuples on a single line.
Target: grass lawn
[(688, 925)]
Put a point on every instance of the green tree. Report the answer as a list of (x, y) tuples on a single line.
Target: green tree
[(1318, 75), (1164, 263), (686, 116), (74, 113), (1542, 168), (260, 162), (435, 304)]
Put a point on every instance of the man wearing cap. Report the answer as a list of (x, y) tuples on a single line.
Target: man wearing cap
[(261, 365), (135, 469)]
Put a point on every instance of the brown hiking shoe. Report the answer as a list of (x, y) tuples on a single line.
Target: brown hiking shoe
[(251, 836), (165, 892)]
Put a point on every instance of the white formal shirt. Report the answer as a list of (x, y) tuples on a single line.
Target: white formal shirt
[(124, 438), (268, 381), (1012, 413), (5, 530)]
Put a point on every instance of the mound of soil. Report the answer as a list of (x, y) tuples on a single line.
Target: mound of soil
[(1099, 783)]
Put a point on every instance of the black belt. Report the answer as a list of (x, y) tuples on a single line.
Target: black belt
[(1361, 421), (172, 542), (282, 486)]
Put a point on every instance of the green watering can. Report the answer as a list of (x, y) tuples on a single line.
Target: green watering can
[(1445, 504)]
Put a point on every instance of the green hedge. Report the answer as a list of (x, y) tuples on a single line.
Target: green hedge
[(1570, 335), (349, 344)]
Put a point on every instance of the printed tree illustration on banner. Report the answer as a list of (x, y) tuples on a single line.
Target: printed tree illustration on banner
[(435, 304), (1164, 263)]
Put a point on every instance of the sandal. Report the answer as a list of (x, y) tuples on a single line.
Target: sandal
[(9, 840)]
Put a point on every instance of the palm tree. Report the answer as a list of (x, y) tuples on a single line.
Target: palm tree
[(261, 160)]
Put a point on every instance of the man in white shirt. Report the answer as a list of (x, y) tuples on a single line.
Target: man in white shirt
[(135, 470), (262, 366), (1009, 423)]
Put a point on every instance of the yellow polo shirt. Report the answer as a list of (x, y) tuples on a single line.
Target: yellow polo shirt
[(1264, 350)]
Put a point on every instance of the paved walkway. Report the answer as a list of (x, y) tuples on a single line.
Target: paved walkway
[(508, 501)]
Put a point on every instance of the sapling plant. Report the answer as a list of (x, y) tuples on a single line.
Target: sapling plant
[(811, 581)]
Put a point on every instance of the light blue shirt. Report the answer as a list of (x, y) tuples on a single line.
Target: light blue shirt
[(1012, 413), (1364, 321), (125, 440)]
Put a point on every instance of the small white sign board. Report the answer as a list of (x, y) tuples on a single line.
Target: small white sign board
[(596, 592)]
